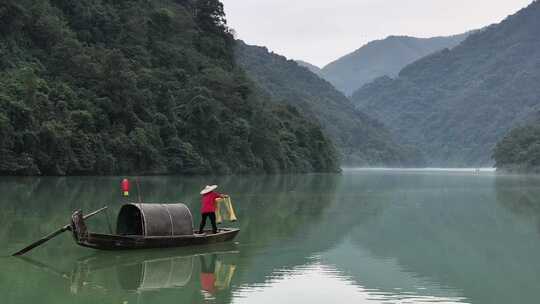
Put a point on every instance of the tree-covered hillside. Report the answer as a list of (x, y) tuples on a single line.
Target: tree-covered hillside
[(361, 139), (384, 57), (140, 87), (519, 150), (457, 104)]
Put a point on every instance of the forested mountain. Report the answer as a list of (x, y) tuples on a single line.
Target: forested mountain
[(313, 68), (361, 139), (138, 87), (382, 58), (519, 150), (456, 104)]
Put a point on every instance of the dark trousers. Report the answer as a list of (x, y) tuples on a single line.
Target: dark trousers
[(212, 216)]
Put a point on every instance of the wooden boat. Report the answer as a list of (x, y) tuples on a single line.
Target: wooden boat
[(144, 226)]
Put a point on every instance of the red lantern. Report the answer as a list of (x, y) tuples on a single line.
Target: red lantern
[(125, 187)]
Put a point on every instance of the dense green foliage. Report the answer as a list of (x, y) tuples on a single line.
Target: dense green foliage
[(362, 140), (382, 58), (456, 104), (519, 150), (136, 86)]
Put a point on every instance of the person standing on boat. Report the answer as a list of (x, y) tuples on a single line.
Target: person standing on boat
[(208, 206)]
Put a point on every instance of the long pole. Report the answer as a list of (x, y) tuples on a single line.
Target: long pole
[(138, 189), (140, 204), (53, 235)]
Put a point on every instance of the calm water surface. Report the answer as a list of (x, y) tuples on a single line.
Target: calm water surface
[(358, 237)]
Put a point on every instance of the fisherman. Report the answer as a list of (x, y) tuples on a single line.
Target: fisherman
[(208, 206)]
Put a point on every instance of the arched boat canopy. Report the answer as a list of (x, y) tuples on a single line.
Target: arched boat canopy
[(154, 220)]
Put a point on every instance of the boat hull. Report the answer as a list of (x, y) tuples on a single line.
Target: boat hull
[(121, 242)]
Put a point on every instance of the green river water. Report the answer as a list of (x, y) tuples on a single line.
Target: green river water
[(363, 236)]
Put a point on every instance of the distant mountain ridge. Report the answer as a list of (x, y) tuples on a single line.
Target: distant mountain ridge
[(313, 68), (384, 57), (362, 141), (457, 104)]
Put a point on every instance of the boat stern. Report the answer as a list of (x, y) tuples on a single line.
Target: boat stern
[(78, 227)]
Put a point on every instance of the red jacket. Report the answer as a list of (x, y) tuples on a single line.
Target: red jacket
[(209, 202)]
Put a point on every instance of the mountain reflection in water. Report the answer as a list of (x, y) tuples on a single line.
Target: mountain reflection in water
[(362, 236)]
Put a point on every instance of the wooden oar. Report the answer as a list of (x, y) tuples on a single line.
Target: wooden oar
[(52, 235)]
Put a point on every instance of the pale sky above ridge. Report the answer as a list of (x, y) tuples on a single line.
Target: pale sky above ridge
[(320, 31)]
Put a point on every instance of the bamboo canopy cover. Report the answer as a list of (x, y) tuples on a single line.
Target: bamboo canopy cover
[(155, 220)]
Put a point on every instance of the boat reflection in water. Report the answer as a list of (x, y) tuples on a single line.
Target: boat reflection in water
[(156, 274), (140, 273)]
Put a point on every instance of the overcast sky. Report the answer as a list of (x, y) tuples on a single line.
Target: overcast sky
[(320, 31)]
